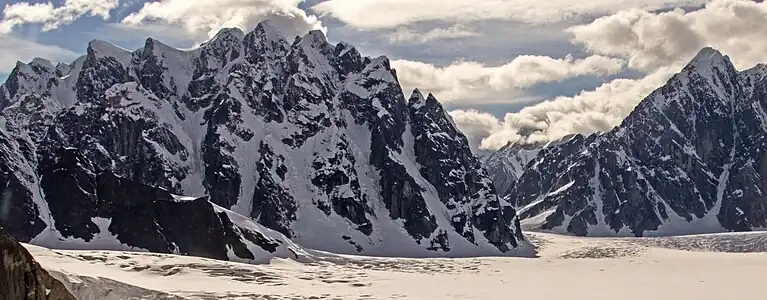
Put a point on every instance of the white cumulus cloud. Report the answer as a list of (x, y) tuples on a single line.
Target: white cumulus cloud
[(377, 14), (476, 125), (649, 40), (50, 16), (208, 16), (590, 111), (471, 81)]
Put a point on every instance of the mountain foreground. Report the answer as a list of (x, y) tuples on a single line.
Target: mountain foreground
[(679, 268)]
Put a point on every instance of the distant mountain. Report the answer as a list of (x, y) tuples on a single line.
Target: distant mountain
[(271, 140), (689, 159), (507, 164)]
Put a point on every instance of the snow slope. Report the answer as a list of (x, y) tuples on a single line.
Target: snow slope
[(567, 267)]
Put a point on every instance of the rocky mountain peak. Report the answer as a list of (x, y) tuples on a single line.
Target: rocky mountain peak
[(315, 45), (42, 62), (712, 66), (224, 46), (229, 33), (101, 49), (433, 104), (152, 45), (381, 63), (311, 140), (268, 31), (680, 163), (349, 59), (63, 69), (315, 37), (343, 48), (507, 164), (416, 98), (708, 57), (33, 76)]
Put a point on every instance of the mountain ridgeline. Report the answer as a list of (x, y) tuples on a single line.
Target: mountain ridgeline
[(691, 158), (271, 142)]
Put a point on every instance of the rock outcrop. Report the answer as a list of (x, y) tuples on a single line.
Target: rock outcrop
[(22, 278)]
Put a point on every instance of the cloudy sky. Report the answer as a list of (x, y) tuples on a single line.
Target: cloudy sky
[(546, 68)]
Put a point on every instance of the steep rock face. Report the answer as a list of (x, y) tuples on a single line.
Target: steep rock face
[(96, 206), (307, 138), (462, 185), (23, 215), (21, 277), (689, 159)]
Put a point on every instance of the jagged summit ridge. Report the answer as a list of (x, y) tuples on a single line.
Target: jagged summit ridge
[(306, 138), (234, 32), (689, 159)]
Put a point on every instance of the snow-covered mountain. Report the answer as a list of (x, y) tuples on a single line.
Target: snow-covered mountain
[(691, 158), (507, 164), (271, 141)]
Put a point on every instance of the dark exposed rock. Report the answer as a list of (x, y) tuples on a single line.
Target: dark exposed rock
[(336, 174), (4, 101), (22, 278), (221, 177), (34, 77), (272, 206), (405, 201), (349, 59), (141, 216), (99, 73), (20, 215), (69, 183), (192, 227), (112, 138), (447, 162)]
